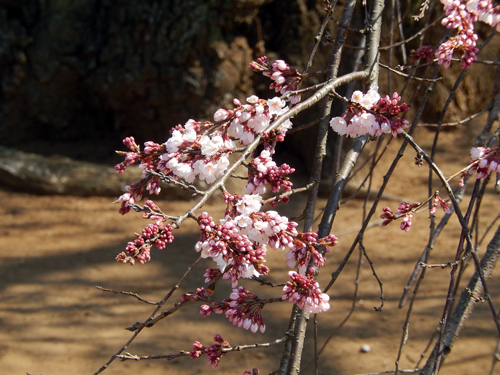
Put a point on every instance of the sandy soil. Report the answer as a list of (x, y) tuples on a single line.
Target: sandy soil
[(55, 250)]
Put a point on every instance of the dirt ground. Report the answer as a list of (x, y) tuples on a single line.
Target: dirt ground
[(56, 249)]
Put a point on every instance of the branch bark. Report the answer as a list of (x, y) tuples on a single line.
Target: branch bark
[(293, 350), (465, 305)]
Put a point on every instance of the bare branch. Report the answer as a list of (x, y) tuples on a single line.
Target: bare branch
[(127, 294)]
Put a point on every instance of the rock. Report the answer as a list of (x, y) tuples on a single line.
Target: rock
[(365, 348), (59, 175)]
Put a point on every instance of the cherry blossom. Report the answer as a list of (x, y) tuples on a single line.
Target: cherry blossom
[(214, 352), (367, 100), (307, 246), (405, 210), (139, 249), (286, 78), (276, 106), (304, 291), (461, 15), (244, 309), (236, 245), (484, 161), (370, 114), (272, 229), (239, 241), (446, 206), (425, 52), (264, 171), (202, 149), (249, 204), (235, 254)]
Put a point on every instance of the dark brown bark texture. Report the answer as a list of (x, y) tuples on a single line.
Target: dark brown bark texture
[(78, 76)]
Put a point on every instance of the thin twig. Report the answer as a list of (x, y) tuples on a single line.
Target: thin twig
[(160, 304), (413, 371), (488, 228), (465, 235), (127, 294), (399, 72), (465, 120), (374, 273), (185, 353), (280, 197)]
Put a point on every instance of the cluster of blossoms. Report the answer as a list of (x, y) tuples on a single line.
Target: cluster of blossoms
[(201, 149), (242, 308), (251, 119), (158, 234), (483, 162), (405, 210), (240, 240), (214, 352), (485, 12), (306, 246), (264, 171), (461, 15), (245, 310), (225, 244), (489, 161), (370, 114), (238, 244), (304, 291), (425, 52), (286, 78), (446, 206)]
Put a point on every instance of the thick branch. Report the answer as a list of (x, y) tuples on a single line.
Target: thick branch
[(373, 44), (301, 319)]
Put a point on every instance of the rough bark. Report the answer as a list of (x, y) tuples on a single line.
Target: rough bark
[(97, 70)]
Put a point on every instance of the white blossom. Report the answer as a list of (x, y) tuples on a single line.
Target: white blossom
[(244, 117), (339, 125), (276, 106), (247, 138), (208, 173), (174, 141), (476, 152), (370, 99), (184, 171), (209, 147), (221, 115), (249, 204), (235, 130), (357, 96), (243, 221), (258, 123), (315, 307), (189, 135), (253, 99)]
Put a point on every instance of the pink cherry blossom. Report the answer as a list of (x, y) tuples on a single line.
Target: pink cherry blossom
[(370, 114), (484, 161), (304, 291), (286, 78)]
